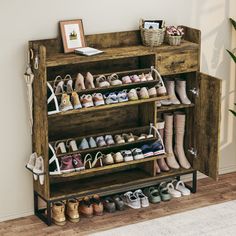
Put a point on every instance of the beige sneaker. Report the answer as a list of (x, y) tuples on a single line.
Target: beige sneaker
[(132, 95), (108, 159), (58, 213), (152, 92), (76, 101), (65, 103), (143, 93), (72, 213), (87, 100), (119, 139), (98, 99), (118, 157)]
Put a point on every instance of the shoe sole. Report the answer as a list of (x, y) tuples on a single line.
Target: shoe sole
[(138, 157), (59, 223), (88, 104), (74, 220), (67, 171), (99, 103)]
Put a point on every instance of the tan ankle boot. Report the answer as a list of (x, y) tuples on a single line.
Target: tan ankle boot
[(58, 213), (72, 212), (171, 161), (179, 124), (161, 162)]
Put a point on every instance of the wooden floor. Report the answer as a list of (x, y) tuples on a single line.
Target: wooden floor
[(209, 193)]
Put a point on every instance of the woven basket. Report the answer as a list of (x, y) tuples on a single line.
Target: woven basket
[(152, 37), (174, 40)]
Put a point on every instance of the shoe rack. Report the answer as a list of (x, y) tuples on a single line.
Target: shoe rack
[(123, 54)]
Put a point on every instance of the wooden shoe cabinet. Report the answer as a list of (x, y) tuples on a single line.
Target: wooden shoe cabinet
[(123, 54)]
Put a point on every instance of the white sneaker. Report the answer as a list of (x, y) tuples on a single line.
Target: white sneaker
[(127, 155), (132, 95), (39, 169), (143, 198), (31, 162), (137, 154), (131, 200)]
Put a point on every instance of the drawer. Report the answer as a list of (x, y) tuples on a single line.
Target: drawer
[(168, 63)]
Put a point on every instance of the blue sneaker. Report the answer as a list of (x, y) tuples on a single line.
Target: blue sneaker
[(122, 96), (147, 151), (111, 98), (157, 148)]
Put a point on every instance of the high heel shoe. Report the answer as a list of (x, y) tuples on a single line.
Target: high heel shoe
[(79, 83), (59, 87), (69, 84), (97, 162), (71, 145), (60, 148), (89, 84), (88, 161)]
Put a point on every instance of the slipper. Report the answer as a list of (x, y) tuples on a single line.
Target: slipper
[(180, 186), (165, 195), (172, 191), (153, 194)]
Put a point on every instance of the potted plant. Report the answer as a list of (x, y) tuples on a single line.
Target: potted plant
[(174, 35), (233, 55)]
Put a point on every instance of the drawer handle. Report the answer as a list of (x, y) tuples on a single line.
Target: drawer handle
[(176, 63)]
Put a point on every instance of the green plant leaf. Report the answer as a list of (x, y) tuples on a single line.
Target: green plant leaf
[(233, 112), (233, 23), (232, 55)]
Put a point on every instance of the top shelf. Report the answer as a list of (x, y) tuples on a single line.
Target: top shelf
[(60, 59)]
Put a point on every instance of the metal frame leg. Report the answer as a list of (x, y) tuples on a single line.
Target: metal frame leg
[(193, 187)]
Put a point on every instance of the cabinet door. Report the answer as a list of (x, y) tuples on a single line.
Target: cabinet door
[(207, 122)]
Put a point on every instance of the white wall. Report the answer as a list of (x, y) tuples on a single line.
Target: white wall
[(30, 19)]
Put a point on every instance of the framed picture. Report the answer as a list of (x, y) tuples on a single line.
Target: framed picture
[(72, 33), (155, 24)]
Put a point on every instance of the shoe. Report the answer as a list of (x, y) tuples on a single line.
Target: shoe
[(145, 136), (142, 78), (170, 86), (181, 91), (179, 126), (108, 159), (137, 154), (152, 92), (166, 102), (71, 145), (131, 200), (79, 83), (122, 96), (109, 205), (162, 188), (119, 139), (65, 103), (143, 199), (117, 157), (69, 84), (180, 186), (31, 163), (126, 80), (86, 207), (168, 141), (66, 164), (135, 78), (111, 98), (77, 162), (149, 77), (127, 155), (75, 100), (157, 148), (128, 137), (97, 205), (54, 167), (160, 87), (98, 99), (88, 161), (132, 95), (98, 160), (72, 213), (39, 169), (60, 147), (58, 213), (92, 143), (147, 151), (87, 100), (158, 104), (114, 80), (100, 141), (118, 202), (101, 81), (153, 195), (172, 191), (143, 93), (89, 84), (84, 144), (59, 88), (109, 140)]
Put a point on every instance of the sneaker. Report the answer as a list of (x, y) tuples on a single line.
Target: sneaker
[(147, 151), (77, 162), (131, 200), (84, 144), (31, 163), (67, 164), (101, 81), (118, 202), (65, 103), (157, 148), (132, 95), (122, 96), (128, 137), (75, 100), (108, 159), (119, 139), (135, 78), (100, 141), (152, 92), (117, 157), (109, 205), (127, 155), (126, 80), (111, 98), (143, 93), (87, 100), (109, 140), (142, 78), (92, 143), (137, 154), (98, 99), (149, 77), (39, 169), (114, 80), (143, 198)]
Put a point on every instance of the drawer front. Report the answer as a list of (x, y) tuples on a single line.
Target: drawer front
[(169, 63)]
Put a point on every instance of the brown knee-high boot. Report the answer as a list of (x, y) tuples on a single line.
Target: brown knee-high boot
[(179, 126), (168, 141)]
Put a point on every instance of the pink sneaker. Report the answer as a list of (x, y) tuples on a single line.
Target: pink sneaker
[(77, 162), (66, 164), (142, 78), (126, 80), (134, 78)]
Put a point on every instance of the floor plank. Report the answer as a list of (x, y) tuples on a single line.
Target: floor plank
[(209, 193)]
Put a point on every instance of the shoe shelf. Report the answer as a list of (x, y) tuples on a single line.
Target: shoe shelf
[(111, 184), (174, 107), (107, 167), (107, 107)]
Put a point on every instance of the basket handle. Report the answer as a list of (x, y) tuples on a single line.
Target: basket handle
[(141, 23)]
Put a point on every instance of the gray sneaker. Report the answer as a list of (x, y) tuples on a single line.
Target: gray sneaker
[(143, 198), (131, 200), (84, 144)]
